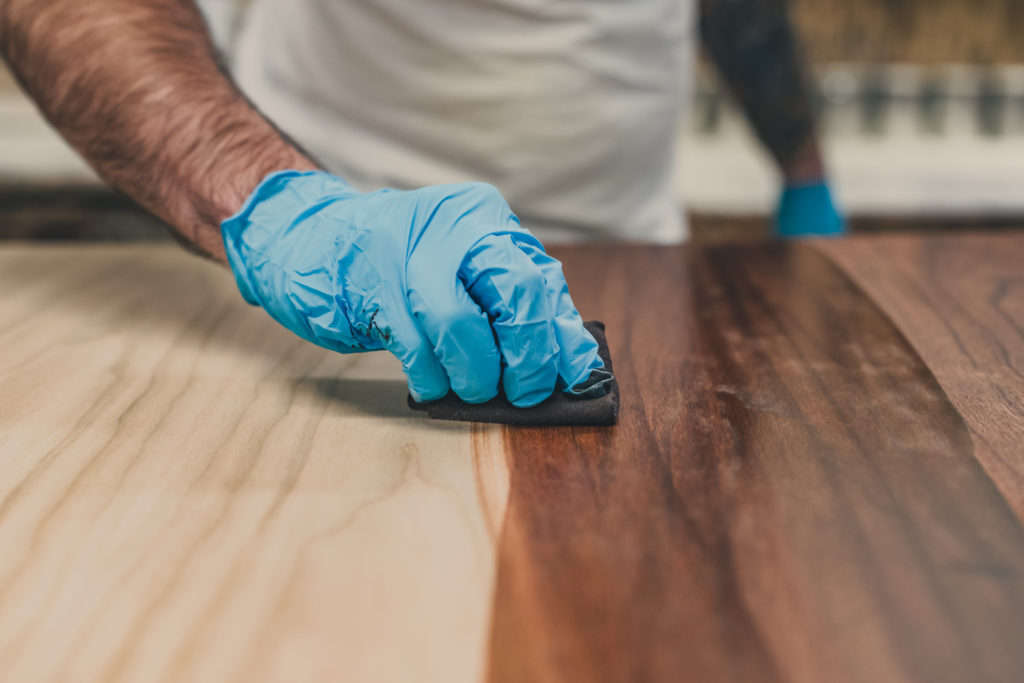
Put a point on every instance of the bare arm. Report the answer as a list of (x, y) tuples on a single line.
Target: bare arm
[(137, 89), (753, 46)]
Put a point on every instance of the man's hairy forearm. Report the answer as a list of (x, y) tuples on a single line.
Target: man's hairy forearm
[(136, 88), (753, 46)]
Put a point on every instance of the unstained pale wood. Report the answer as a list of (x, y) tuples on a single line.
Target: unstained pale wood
[(190, 493)]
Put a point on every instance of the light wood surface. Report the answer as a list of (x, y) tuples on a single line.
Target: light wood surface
[(191, 493), (800, 487)]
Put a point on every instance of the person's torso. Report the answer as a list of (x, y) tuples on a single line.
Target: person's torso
[(568, 106)]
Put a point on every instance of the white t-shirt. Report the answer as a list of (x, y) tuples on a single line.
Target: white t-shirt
[(569, 107)]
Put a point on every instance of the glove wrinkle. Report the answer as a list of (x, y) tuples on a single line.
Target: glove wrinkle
[(444, 277)]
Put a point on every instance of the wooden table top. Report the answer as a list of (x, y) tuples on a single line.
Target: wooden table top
[(818, 475)]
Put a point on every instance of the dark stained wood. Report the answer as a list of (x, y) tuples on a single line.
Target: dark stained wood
[(959, 300), (789, 495)]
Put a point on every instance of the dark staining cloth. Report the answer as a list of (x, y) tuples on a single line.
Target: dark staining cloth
[(594, 402)]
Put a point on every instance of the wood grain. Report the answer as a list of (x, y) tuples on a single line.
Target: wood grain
[(789, 495), (959, 300), (190, 493)]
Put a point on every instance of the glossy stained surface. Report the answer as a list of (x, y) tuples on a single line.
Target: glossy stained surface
[(789, 495), (816, 477), (959, 299)]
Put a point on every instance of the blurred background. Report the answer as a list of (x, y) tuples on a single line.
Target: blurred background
[(922, 112)]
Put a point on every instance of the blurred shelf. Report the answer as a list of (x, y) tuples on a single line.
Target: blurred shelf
[(944, 140)]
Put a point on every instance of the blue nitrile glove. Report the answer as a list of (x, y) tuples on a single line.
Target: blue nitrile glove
[(426, 274), (808, 211)]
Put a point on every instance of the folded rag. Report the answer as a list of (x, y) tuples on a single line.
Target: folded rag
[(561, 409)]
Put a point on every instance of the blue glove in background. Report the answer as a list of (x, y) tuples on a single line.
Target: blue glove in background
[(808, 211), (444, 277)]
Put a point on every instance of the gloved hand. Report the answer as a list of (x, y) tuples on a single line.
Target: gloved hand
[(808, 211), (444, 277)]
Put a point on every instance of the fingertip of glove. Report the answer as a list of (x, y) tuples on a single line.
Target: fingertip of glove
[(531, 399), (528, 391), (477, 388), (475, 398), (426, 396)]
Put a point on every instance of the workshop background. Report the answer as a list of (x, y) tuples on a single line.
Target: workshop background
[(923, 123)]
